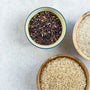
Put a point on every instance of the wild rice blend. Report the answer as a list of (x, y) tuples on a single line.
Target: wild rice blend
[(63, 74), (45, 28)]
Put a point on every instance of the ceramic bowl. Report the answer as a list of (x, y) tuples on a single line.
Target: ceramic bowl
[(62, 55), (75, 36), (58, 14)]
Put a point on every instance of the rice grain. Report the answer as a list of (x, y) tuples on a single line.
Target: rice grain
[(63, 74), (83, 36)]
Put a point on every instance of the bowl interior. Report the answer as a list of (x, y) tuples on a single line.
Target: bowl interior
[(58, 14), (75, 36), (63, 55)]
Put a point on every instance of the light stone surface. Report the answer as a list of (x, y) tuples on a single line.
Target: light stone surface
[(20, 60)]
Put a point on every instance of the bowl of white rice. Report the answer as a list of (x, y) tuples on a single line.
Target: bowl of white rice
[(63, 72), (81, 36)]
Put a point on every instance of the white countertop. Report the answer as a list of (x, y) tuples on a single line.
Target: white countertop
[(20, 60)]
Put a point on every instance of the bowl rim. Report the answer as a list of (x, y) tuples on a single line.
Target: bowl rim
[(37, 45), (74, 35), (63, 55)]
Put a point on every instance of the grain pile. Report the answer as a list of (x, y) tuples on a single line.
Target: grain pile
[(45, 28), (63, 74), (83, 36)]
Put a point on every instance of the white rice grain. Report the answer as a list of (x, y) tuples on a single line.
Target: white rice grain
[(83, 36)]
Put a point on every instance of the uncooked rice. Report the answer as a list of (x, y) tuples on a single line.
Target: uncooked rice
[(63, 74), (83, 36)]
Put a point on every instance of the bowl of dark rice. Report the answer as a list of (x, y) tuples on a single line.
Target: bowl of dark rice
[(45, 27)]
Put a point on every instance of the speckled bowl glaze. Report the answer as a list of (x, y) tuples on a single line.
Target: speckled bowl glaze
[(58, 56), (74, 36), (58, 14)]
